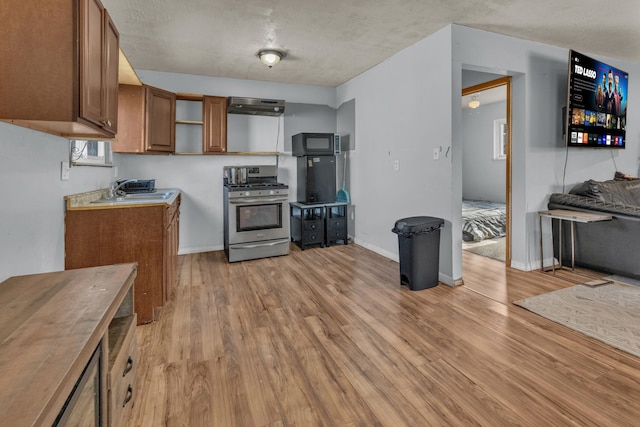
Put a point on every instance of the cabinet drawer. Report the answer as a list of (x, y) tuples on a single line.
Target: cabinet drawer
[(122, 334), (312, 225), (123, 393), (312, 237), (123, 378), (336, 223), (336, 234)]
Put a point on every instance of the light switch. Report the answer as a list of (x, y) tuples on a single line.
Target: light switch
[(396, 165)]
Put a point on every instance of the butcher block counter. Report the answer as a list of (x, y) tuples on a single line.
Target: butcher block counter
[(51, 325)]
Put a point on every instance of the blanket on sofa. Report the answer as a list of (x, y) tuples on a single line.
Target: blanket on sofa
[(616, 197)]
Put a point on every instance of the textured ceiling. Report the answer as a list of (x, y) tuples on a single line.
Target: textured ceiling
[(328, 42)]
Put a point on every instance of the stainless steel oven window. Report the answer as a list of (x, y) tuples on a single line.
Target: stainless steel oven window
[(258, 217)]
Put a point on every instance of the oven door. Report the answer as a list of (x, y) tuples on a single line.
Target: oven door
[(258, 219)]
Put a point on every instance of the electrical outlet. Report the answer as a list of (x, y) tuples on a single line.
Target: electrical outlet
[(396, 165), (64, 171), (436, 153)]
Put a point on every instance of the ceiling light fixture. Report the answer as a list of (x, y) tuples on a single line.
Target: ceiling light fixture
[(474, 103), (270, 57)]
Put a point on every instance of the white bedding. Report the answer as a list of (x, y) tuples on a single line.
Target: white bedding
[(482, 220)]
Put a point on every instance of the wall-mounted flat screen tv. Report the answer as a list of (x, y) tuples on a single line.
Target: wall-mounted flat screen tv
[(597, 104)]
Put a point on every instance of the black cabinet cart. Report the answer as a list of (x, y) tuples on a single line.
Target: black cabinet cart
[(335, 223), (323, 224), (307, 224)]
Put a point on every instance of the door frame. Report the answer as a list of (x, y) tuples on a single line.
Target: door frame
[(502, 81)]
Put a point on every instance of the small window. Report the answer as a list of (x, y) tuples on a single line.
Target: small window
[(500, 139), (90, 153)]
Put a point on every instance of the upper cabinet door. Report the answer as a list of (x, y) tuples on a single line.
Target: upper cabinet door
[(160, 129), (112, 62), (146, 120), (214, 122), (92, 76)]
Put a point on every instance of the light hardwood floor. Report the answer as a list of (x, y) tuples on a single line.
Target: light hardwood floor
[(328, 337)]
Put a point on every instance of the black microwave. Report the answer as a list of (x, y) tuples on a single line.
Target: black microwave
[(315, 144)]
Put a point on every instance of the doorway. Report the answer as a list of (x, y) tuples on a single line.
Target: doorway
[(486, 170)]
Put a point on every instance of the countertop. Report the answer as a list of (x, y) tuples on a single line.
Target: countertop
[(96, 200)]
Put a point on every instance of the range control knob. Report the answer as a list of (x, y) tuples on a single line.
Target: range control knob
[(272, 192), (246, 193)]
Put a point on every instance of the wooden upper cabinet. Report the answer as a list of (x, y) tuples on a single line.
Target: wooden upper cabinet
[(160, 130), (58, 72), (146, 118), (214, 122)]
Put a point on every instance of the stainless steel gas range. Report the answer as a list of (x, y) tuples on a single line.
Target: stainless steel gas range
[(256, 213)]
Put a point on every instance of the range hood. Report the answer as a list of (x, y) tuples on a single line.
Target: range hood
[(255, 106)]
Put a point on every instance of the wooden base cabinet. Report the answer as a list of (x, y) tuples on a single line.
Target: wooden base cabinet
[(59, 67), (146, 234)]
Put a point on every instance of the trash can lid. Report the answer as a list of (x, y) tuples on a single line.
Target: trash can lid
[(417, 225)]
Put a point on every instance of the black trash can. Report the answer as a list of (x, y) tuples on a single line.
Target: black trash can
[(419, 243)]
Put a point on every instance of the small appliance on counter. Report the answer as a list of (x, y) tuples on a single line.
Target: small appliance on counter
[(256, 213), (137, 185)]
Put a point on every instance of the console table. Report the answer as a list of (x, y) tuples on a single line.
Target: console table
[(572, 217), (67, 347), (323, 224)]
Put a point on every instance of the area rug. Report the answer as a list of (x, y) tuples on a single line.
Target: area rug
[(609, 313), (623, 279), (492, 248)]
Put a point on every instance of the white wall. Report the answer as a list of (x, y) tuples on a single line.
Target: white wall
[(403, 111), (483, 176), (32, 212)]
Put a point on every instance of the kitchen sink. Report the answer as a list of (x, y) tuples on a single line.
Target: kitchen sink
[(133, 197), (156, 195)]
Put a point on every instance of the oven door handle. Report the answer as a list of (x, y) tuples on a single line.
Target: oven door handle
[(261, 245), (261, 200)]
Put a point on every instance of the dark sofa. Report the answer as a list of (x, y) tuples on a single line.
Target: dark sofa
[(608, 246)]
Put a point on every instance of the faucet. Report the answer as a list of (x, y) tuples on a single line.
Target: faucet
[(116, 185)]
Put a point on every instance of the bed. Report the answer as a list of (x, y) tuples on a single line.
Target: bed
[(482, 220)]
